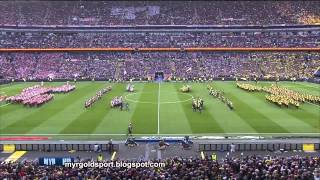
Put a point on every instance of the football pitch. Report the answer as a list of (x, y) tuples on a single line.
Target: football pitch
[(159, 109)]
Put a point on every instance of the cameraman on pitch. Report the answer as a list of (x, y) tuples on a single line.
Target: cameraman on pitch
[(130, 129)]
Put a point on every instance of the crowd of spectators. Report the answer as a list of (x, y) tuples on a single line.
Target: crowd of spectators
[(144, 65), (247, 167), (160, 39), (111, 13)]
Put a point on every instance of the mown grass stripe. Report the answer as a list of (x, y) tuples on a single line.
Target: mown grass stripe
[(60, 120), (9, 109), (300, 116), (281, 116), (173, 115), (88, 121), (228, 119), (305, 116), (315, 87), (257, 120), (199, 122), (13, 112), (116, 121), (40, 115), (303, 120), (272, 112), (145, 115)]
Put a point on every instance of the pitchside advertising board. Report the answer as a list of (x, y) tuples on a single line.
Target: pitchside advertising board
[(56, 161)]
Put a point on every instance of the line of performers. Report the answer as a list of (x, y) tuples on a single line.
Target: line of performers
[(220, 95), (197, 104), (282, 96), (96, 97), (118, 102)]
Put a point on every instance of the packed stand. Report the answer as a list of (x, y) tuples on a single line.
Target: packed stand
[(112, 13), (174, 65), (247, 167), (284, 38)]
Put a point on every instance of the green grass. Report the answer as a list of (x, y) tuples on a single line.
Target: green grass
[(159, 109)]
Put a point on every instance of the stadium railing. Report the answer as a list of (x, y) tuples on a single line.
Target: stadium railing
[(60, 147), (255, 147)]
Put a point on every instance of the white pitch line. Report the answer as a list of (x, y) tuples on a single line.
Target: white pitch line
[(196, 134), (159, 109), (5, 105)]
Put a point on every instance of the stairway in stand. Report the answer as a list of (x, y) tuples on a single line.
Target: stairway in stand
[(118, 71)]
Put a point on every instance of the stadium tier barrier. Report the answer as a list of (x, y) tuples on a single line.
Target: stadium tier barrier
[(257, 147), (59, 147), (47, 147), (150, 49)]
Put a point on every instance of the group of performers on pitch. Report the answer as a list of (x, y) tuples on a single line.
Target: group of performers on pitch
[(220, 95), (197, 104), (37, 95), (282, 96), (96, 97), (118, 102), (185, 88), (130, 88)]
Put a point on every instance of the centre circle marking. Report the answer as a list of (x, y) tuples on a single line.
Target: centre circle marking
[(150, 102)]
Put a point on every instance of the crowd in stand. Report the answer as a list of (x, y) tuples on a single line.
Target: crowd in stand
[(247, 167), (284, 38), (97, 97), (113, 13), (37, 95), (174, 65)]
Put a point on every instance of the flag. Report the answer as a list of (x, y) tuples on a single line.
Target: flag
[(189, 69)]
